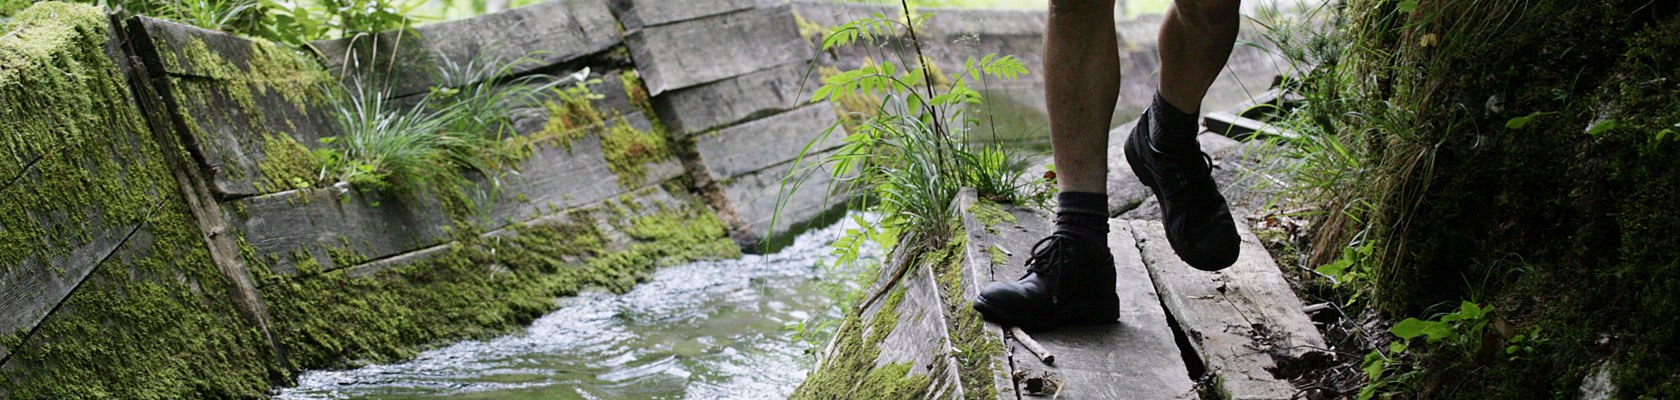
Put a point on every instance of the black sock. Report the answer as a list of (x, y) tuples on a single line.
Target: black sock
[(1171, 129), (1083, 216)]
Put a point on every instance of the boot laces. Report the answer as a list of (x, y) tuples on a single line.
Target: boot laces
[(1051, 251)]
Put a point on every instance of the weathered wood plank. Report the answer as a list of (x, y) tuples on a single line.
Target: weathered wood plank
[(1241, 321), (554, 178), (232, 95), (635, 14), (689, 53), (1134, 358), (32, 290), (701, 108), (756, 145), (1242, 128), (977, 271), (922, 337), (548, 33), (754, 198)]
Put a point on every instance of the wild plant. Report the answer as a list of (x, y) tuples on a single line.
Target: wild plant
[(909, 155)]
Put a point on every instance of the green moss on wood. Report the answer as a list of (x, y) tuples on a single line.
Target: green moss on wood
[(976, 351), (152, 321), (850, 371), (286, 165), (990, 215), (477, 286)]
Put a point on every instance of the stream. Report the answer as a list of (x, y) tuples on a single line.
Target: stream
[(705, 330)]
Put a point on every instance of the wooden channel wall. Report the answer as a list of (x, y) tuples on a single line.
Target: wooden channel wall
[(726, 83)]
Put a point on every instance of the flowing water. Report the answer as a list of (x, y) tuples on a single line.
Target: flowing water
[(706, 330)]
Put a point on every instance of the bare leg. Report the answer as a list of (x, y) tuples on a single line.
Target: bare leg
[(1082, 83), (1196, 40)]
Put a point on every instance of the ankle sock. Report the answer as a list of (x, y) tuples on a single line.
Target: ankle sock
[(1171, 129), (1083, 216)]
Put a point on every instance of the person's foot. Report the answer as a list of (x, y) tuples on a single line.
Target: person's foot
[(1197, 221), (1068, 281)]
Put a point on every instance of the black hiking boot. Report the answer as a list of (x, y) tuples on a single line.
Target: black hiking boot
[(1197, 221), (1067, 281)]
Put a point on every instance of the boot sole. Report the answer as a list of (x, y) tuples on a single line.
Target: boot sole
[(1106, 312)]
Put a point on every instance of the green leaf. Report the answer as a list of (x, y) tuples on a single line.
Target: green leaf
[(1335, 270), (1396, 347), (1522, 122), (1407, 6), (1411, 328), (1602, 126), (1665, 133)]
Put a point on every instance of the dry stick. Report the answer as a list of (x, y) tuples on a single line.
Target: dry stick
[(1033, 346)]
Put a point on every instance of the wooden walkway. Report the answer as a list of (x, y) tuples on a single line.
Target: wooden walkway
[(1177, 324)]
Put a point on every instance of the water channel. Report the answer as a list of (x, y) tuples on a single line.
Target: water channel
[(706, 330)]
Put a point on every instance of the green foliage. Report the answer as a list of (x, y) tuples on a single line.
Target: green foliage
[(1503, 150), (912, 152), (429, 146)]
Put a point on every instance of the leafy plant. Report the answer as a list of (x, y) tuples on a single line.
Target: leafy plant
[(430, 146), (912, 153)]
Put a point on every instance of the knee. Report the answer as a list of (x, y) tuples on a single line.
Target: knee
[(1208, 11), (1103, 8)]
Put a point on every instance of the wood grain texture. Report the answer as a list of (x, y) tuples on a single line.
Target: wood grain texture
[(1135, 358), (548, 33), (689, 53), (1241, 321)]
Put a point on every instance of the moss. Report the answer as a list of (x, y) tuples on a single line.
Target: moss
[(573, 115), (628, 151), (478, 286), (98, 169), (265, 70), (975, 350), (850, 372), (990, 215), (997, 255), (811, 31), (286, 165)]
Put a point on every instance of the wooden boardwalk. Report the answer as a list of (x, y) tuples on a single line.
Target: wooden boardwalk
[(1236, 325)]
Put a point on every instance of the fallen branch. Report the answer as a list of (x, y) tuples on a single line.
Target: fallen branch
[(1032, 346)]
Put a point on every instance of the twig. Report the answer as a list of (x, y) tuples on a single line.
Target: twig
[(1315, 308), (1033, 346)]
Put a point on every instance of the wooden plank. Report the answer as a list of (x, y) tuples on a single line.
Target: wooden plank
[(549, 33), (1241, 321), (922, 336), (1135, 358), (231, 95), (702, 108), (690, 53), (635, 14), (977, 271), (760, 144), (378, 226), (753, 199), (1242, 128)]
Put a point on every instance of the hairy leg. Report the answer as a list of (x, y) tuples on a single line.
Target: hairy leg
[(1082, 83), (1196, 40)]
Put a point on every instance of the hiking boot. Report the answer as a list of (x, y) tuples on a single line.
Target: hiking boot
[(1197, 221), (1067, 281)]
